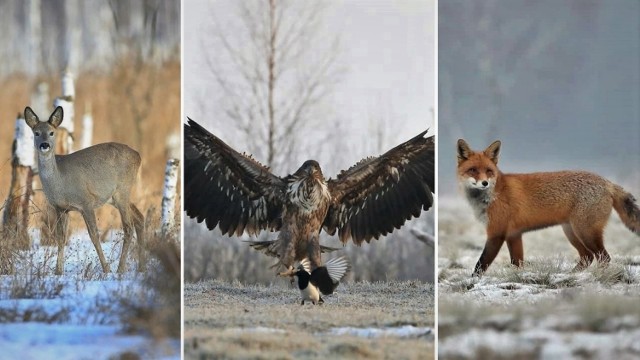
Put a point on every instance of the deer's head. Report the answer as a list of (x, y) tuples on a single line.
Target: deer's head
[(44, 132)]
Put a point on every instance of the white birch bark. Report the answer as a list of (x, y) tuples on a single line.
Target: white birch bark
[(25, 154), (169, 196), (87, 128)]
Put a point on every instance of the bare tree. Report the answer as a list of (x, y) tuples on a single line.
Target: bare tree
[(273, 69)]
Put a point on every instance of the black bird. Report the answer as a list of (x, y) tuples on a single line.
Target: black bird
[(323, 279)]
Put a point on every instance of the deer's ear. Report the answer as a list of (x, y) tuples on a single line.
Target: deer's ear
[(30, 117), (56, 117)]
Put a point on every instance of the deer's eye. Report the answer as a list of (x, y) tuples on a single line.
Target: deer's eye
[(37, 133), (51, 133)]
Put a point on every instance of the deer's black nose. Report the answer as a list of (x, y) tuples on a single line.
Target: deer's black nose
[(45, 146)]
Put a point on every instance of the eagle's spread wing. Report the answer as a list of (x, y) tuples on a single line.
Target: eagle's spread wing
[(379, 194), (226, 188)]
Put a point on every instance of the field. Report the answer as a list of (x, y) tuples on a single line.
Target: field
[(85, 313), (235, 306), (542, 310), (361, 320)]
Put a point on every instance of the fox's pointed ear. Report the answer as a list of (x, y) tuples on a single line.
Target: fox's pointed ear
[(56, 117), (493, 151), (30, 117), (464, 151)]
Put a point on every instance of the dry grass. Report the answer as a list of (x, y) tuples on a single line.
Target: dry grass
[(155, 307), (228, 320)]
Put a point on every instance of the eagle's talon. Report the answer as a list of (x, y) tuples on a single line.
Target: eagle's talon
[(289, 272)]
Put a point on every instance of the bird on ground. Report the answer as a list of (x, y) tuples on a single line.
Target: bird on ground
[(324, 279)]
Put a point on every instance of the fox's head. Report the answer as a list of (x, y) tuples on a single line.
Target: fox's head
[(477, 171)]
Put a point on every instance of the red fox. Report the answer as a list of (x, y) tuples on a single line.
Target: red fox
[(512, 204)]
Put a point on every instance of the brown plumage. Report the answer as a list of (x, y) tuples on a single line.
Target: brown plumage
[(372, 198)]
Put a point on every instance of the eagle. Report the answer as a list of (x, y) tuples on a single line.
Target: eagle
[(236, 193)]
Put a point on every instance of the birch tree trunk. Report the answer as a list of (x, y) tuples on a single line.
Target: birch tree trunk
[(16, 213), (169, 197)]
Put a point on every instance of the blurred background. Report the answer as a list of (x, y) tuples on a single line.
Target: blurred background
[(123, 58), (351, 80), (557, 82)]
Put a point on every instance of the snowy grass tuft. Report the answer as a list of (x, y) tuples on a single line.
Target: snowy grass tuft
[(543, 309)]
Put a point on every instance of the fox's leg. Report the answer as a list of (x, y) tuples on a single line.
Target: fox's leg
[(516, 251), (489, 253), (586, 256), (592, 238)]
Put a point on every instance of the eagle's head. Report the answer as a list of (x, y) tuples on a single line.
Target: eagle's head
[(310, 168)]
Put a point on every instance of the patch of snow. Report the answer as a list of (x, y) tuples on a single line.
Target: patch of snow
[(407, 331), (58, 341), (257, 329), (81, 306)]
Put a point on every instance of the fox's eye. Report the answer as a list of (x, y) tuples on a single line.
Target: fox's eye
[(472, 171), (51, 133), (36, 133), (489, 172)]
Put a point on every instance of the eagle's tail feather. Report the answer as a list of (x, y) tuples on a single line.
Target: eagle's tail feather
[(327, 249), (269, 247)]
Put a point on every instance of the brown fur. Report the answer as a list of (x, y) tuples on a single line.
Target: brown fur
[(579, 201)]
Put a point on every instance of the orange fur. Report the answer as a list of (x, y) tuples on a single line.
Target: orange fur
[(512, 204)]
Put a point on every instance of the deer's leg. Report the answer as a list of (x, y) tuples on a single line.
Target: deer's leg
[(60, 232), (90, 220), (138, 222), (123, 207)]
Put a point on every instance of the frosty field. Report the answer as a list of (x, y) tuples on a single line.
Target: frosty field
[(542, 310), (361, 320), (83, 313)]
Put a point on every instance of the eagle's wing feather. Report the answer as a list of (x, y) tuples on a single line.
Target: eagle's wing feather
[(228, 189), (378, 194)]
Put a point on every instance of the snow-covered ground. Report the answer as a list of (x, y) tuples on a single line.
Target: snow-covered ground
[(77, 315), (543, 310)]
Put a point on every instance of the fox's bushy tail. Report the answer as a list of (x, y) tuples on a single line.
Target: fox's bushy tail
[(627, 207)]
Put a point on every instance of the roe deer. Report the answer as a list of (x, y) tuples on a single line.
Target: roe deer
[(85, 180)]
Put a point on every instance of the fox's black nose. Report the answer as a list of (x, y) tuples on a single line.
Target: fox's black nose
[(485, 183), (45, 146)]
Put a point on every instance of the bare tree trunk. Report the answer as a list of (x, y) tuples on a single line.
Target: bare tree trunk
[(272, 82), (16, 212)]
